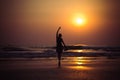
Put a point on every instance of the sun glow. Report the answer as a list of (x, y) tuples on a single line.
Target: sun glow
[(79, 20)]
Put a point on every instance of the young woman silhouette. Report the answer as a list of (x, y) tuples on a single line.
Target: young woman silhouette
[(60, 45)]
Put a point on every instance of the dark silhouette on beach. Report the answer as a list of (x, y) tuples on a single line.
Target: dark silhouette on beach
[(60, 45)]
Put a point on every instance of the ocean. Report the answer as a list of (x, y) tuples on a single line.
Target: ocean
[(72, 51)]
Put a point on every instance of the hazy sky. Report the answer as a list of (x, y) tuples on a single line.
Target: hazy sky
[(34, 22)]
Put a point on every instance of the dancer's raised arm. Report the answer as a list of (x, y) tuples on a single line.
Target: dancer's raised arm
[(58, 31)]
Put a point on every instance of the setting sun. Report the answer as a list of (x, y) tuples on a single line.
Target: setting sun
[(79, 21)]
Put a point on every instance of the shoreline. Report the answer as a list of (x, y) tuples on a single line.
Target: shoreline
[(73, 68)]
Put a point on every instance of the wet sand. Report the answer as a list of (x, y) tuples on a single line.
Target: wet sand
[(73, 68)]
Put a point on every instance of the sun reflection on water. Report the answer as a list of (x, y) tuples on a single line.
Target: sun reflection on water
[(81, 63), (79, 60), (85, 51), (79, 50)]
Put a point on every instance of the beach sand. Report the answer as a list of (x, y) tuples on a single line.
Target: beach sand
[(71, 69)]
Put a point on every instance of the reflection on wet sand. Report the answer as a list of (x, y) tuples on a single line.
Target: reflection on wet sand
[(79, 63), (72, 68), (80, 67)]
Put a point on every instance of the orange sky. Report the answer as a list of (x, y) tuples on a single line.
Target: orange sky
[(34, 22)]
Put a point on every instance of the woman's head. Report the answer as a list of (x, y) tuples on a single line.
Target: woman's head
[(60, 35)]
